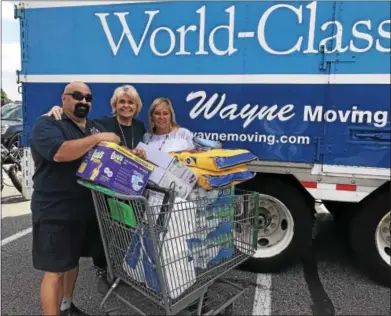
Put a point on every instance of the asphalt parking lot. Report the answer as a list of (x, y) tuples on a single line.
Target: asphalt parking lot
[(328, 284)]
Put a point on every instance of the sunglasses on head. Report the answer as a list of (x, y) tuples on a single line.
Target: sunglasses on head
[(78, 96)]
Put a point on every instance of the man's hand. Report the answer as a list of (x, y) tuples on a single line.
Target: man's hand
[(108, 137)]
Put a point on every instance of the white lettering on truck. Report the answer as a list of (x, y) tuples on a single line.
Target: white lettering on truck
[(178, 36), (216, 106), (231, 112), (317, 114)]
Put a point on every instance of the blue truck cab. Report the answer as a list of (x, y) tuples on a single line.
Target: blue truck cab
[(304, 85)]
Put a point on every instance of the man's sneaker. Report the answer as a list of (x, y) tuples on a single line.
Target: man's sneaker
[(72, 311), (103, 283)]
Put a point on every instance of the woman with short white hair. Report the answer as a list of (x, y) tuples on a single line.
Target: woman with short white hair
[(125, 105)]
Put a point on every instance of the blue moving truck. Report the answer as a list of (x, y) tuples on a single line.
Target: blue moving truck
[(304, 85)]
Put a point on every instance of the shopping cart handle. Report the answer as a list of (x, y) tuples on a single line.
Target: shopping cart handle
[(153, 186), (107, 191)]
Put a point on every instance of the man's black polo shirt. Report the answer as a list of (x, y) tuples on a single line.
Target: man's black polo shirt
[(57, 195)]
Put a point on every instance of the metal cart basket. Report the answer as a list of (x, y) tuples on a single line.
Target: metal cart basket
[(174, 251)]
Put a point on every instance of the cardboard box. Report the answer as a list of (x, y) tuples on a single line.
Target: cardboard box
[(112, 166), (170, 170), (167, 180), (155, 156)]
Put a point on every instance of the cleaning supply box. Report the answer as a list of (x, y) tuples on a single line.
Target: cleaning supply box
[(169, 170), (112, 166)]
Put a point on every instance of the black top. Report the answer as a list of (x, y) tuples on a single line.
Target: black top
[(133, 134), (56, 193)]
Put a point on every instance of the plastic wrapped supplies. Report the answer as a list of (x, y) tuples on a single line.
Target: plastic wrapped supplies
[(216, 168), (139, 262), (116, 168), (196, 232), (210, 180), (213, 237), (215, 160)]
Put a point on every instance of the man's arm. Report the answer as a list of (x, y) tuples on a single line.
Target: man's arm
[(48, 140), (74, 149), (46, 137)]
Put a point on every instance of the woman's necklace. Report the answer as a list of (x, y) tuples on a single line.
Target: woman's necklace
[(162, 144), (123, 135)]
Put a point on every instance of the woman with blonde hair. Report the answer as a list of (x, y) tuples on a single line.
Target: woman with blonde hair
[(164, 133), (125, 106)]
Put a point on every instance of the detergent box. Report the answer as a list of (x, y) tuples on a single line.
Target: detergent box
[(116, 168), (165, 179), (169, 170)]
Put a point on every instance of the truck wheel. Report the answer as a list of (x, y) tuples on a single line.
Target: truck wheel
[(370, 238), (285, 226)]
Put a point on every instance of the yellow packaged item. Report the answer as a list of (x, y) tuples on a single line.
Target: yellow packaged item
[(210, 180), (216, 159)]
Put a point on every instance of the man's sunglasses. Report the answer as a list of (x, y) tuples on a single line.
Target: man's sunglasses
[(78, 96)]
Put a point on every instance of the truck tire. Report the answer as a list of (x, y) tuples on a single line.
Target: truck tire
[(285, 226), (343, 213), (370, 238)]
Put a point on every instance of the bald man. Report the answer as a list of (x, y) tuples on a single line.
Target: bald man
[(64, 222)]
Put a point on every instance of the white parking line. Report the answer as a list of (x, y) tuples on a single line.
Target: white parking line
[(263, 295), (16, 236)]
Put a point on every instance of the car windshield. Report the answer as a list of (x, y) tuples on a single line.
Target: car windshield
[(5, 108), (12, 112)]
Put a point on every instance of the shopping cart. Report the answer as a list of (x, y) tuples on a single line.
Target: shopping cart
[(174, 252)]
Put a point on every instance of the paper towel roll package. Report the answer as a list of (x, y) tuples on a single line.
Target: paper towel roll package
[(178, 266), (213, 241)]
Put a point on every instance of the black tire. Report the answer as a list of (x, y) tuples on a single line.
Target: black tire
[(14, 139), (343, 213), (362, 238), (301, 211), (12, 173), (338, 209)]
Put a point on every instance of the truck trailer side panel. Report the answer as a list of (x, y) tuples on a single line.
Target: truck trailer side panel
[(303, 82)]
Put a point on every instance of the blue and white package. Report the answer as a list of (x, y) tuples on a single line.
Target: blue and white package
[(177, 266), (213, 240)]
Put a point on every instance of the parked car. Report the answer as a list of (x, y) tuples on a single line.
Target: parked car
[(12, 126)]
